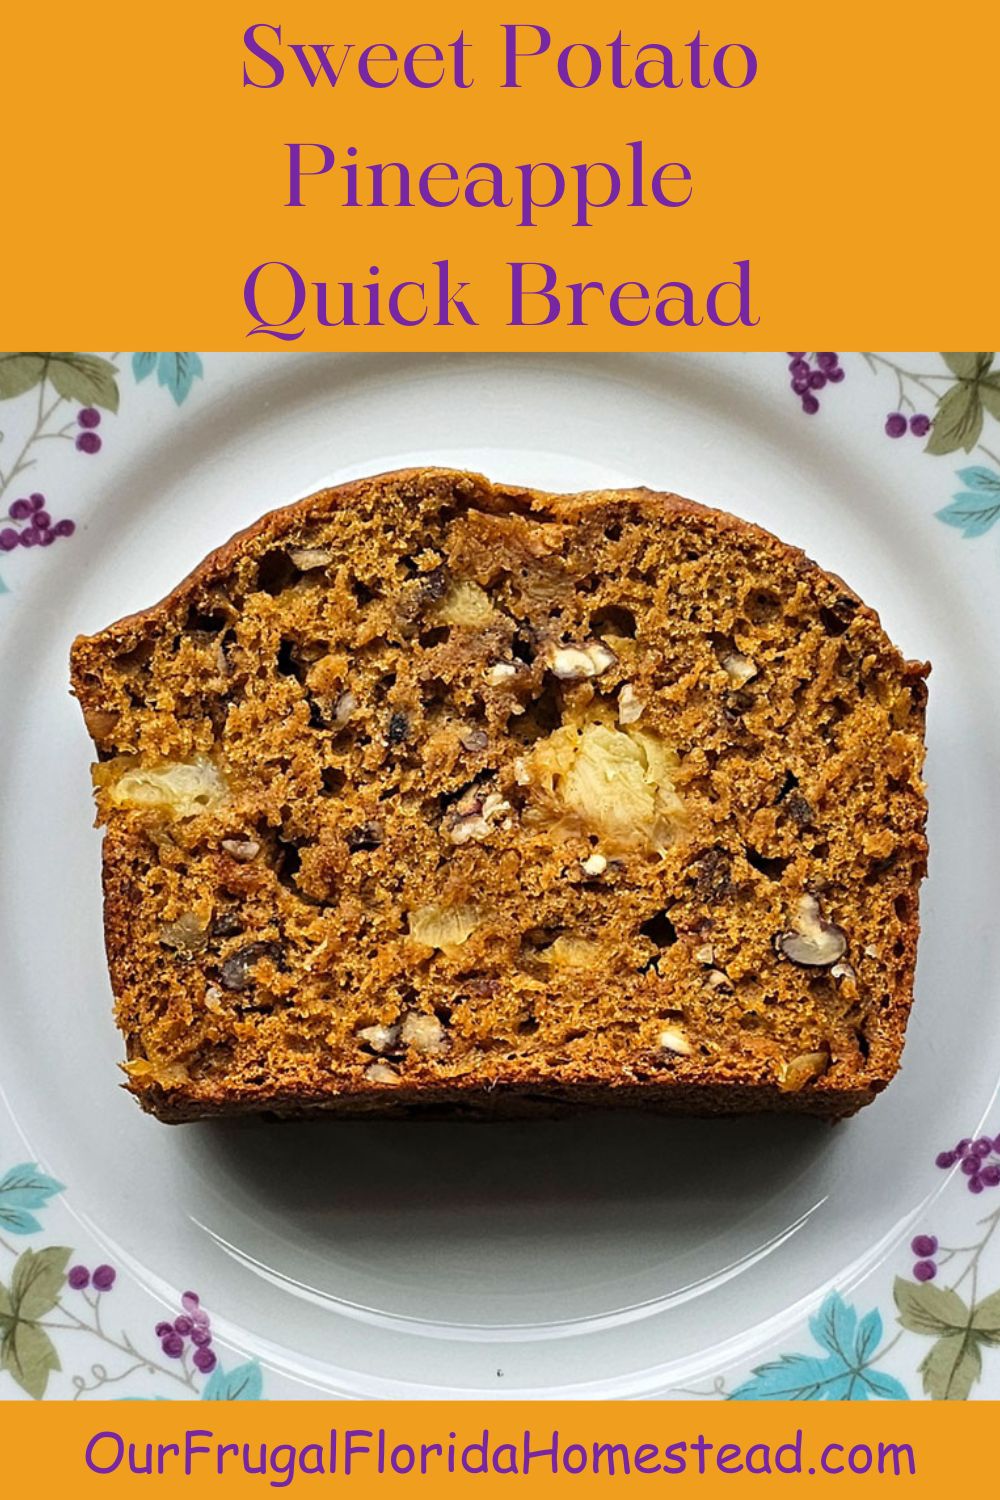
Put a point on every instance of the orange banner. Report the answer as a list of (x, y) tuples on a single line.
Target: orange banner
[(563, 176), (497, 1448)]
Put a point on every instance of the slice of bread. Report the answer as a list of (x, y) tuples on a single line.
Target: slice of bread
[(429, 791)]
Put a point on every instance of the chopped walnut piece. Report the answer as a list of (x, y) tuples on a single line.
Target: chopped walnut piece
[(380, 1038), (629, 708), (381, 1072), (672, 1039), (307, 558), (242, 850), (739, 668), (424, 1034), (576, 663), (802, 1070), (812, 942)]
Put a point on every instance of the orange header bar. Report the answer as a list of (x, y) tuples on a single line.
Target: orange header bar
[(454, 176)]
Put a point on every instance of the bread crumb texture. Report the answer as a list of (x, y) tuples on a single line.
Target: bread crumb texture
[(428, 792)]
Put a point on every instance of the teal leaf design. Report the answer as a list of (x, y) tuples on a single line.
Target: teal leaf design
[(793, 1377), (21, 1188), (87, 379), (887, 1387), (243, 1383), (26, 1186), (143, 365), (18, 1220), (177, 372), (844, 1374), (974, 510)]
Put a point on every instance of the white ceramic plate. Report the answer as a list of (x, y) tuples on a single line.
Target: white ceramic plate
[(601, 1256)]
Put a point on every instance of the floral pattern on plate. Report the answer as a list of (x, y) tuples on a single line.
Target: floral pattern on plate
[(73, 1325), (961, 396)]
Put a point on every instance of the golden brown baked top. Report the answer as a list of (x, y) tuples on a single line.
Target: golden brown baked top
[(429, 785)]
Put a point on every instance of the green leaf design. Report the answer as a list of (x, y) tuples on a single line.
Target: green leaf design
[(84, 378), (29, 1354), (39, 1276), (952, 1366), (986, 1319), (989, 395), (968, 366), (19, 373), (924, 1308), (958, 420)]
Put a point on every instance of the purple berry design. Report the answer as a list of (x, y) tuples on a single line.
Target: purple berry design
[(924, 1246), (40, 530), (920, 425), (104, 1278), (807, 378), (895, 424), (89, 417), (78, 1277), (192, 1326), (88, 442), (978, 1160), (924, 1270)]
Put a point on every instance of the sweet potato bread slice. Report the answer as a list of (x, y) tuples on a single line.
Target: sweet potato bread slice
[(430, 791)]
